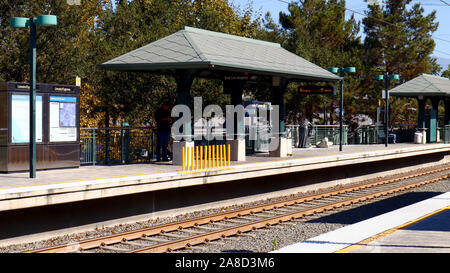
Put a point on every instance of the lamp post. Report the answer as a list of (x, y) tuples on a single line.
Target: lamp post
[(386, 77), (341, 104), (32, 23)]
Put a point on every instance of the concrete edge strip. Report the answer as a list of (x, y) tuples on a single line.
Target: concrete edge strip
[(216, 176), (387, 232), (249, 167), (342, 238)]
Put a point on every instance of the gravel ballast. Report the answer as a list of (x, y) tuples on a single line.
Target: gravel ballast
[(268, 239)]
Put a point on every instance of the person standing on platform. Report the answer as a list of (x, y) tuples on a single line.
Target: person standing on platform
[(304, 133), (163, 125)]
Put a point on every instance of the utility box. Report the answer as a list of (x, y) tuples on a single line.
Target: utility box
[(431, 124), (57, 126)]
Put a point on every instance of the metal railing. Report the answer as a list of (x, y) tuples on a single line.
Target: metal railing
[(117, 145), (261, 141), (292, 132), (375, 134), (369, 134), (318, 132), (332, 132)]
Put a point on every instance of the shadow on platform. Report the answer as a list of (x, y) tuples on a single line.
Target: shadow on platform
[(364, 212)]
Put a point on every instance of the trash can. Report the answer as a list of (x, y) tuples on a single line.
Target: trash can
[(418, 137)]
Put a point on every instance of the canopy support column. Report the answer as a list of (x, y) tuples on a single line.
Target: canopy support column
[(236, 99), (237, 139), (435, 103), (447, 112), (278, 142), (183, 134), (421, 118)]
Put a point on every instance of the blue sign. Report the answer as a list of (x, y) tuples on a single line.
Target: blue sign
[(63, 99)]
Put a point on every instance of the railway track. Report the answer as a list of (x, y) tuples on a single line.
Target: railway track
[(214, 228)]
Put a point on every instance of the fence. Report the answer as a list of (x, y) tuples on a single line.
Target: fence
[(117, 145), (332, 132), (369, 134), (124, 145), (261, 141), (375, 134)]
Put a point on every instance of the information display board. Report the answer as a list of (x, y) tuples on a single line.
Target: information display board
[(20, 118), (63, 118), (317, 90), (57, 126)]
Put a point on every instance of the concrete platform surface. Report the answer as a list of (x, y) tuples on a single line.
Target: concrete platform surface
[(90, 182), (423, 227)]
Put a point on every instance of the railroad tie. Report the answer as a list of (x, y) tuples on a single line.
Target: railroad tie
[(111, 248)]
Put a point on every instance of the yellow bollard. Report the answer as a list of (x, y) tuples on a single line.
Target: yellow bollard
[(196, 157), (192, 158), (209, 157), (183, 155), (224, 155), (201, 157), (213, 159), (217, 156), (206, 157), (229, 154), (220, 155), (188, 159)]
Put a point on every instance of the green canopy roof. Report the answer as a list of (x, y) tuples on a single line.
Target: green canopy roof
[(423, 85), (192, 48)]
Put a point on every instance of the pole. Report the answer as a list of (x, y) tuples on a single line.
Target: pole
[(32, 141), (386, 110), (341, 107)]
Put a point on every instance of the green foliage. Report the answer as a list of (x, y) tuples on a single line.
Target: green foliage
[(274, 244), (317, 31), (446, 73), (63, 50), (398, 40), (99, 30), (132, 24)]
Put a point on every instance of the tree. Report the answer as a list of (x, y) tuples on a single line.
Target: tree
[(128, 25), (398, 40), (63, 51), (446, 73), (318, 31)]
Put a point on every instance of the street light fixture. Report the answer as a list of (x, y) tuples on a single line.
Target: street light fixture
[(341, 105), (386, 77), (32, 23)]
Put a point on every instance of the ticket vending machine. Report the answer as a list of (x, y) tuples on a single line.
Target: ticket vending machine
[(57, 126)]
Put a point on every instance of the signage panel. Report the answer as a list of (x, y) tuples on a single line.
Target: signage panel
[(63, 118), (20, 118)]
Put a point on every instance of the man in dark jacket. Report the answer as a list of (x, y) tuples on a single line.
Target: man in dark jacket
[(163, 125)]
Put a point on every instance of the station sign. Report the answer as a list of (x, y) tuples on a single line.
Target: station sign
[(25, 87), (63, 89), (317, 90)]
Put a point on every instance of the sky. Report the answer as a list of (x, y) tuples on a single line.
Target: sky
[(441, 35)]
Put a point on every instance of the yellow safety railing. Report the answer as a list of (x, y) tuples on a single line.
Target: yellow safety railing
[(206, 157)]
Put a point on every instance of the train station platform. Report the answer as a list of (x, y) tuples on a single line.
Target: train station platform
[(59, 186), (423, 227)]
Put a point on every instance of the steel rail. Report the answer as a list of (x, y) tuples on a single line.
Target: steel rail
[(214, 235)]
